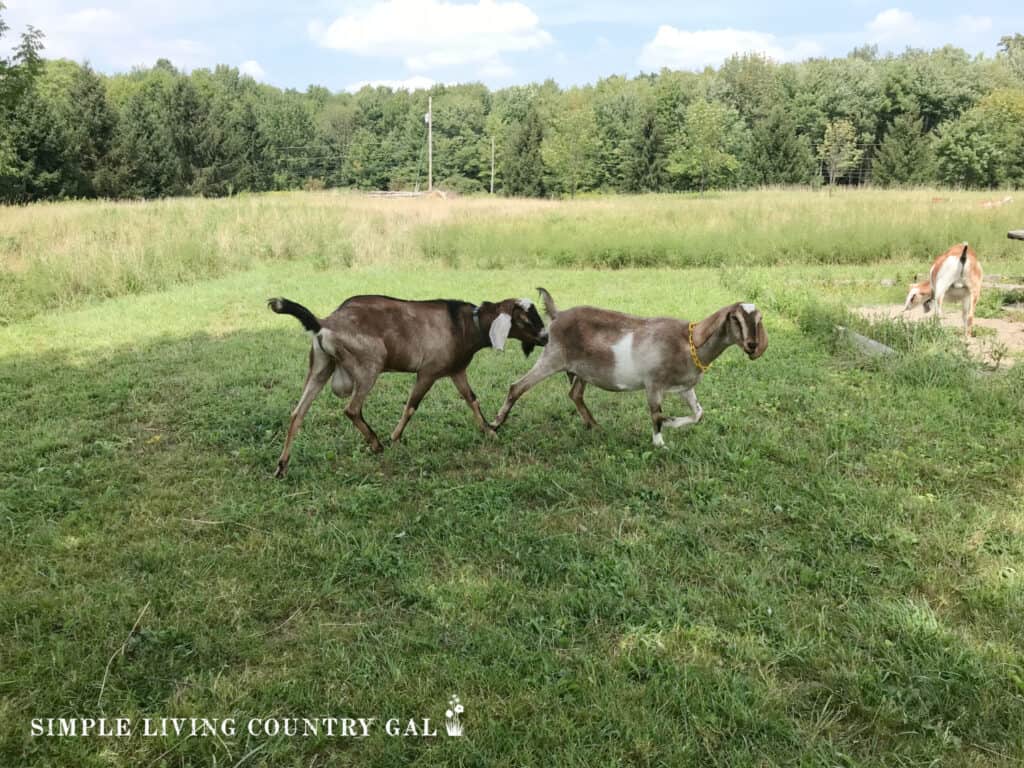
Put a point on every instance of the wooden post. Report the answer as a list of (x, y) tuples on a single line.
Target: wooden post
[(492, 165), (430, 143)]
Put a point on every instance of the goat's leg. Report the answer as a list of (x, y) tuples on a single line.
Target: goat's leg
[(682, 421), (654, 398), (320, 368), (968, 315), (461, 382), (354, 410), (576, 395), (546, 366), (423, 384)]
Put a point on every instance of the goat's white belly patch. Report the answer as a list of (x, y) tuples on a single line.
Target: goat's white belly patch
[(626, 374)]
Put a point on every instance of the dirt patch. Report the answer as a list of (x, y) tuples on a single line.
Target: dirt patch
[(1008, 333)]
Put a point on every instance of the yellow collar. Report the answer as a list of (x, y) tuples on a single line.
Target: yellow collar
[(693, 353)]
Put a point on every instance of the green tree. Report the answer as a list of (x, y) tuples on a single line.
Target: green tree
[(748, 84), (66, 131), (711, 140), (461, 147), (570, 144), (838, 150), (905, 155), (936, 85), (831, 90), (18, 72), (646, 169), (1011, 49), (143, 161), (17, 76), (77, 99), (365, 162), (985, 146), (34, 152), (524, 165), (620, 107), (779, 153)]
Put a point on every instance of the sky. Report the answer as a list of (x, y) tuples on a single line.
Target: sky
[(415, 43)]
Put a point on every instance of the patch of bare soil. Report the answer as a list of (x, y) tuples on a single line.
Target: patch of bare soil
[(1008, 333)]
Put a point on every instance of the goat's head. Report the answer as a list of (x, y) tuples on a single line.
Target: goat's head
[(746, 329), (519, 319), (919, 293)]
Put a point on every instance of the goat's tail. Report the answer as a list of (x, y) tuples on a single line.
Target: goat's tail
[(549, 304), (963, 254), (286, 307)]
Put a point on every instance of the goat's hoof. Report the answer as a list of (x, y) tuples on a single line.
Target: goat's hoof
[(491, 432), (282, 469), (376, 447)]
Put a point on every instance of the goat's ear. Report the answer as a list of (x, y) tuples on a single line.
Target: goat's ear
[(762, 338), (499, 330), (910, 298)]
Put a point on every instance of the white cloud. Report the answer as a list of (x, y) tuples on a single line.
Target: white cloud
[(118, 37), (252, 68), (894, 24), (415, 83), (496, 69), (682, 49), (895, 28), (974, 24), (428, 34)]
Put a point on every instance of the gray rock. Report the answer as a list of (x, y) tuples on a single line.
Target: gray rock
[(864, 344)]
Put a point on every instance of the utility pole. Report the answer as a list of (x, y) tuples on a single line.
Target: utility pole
[(430, 143), (492, 165)]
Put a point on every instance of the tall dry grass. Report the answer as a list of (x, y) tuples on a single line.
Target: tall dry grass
[(54, 255)]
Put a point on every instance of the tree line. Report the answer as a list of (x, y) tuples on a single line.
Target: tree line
[(922, 117)]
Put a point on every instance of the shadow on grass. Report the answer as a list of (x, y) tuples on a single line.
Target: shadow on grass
[(795, 573)]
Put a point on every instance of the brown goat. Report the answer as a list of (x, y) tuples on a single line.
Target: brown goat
[(370, 335), (955, 275), (620, 352)]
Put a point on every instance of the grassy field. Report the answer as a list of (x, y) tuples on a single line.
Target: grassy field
[(828, 571), (61, 255)]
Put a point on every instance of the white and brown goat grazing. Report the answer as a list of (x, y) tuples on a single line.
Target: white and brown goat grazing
[(955, 274), (619, 352)]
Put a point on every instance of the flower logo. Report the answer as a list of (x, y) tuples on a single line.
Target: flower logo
[(452, 724)]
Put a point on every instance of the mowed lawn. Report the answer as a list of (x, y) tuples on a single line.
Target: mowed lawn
[(827, 571)]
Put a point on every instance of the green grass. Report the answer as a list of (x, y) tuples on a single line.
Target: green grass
[(65, 255), (827, 571)]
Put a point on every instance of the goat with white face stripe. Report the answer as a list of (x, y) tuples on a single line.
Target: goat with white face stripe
[(620, 352), (370, 335)]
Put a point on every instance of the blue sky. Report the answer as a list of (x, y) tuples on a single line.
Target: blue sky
[(500, 42)]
